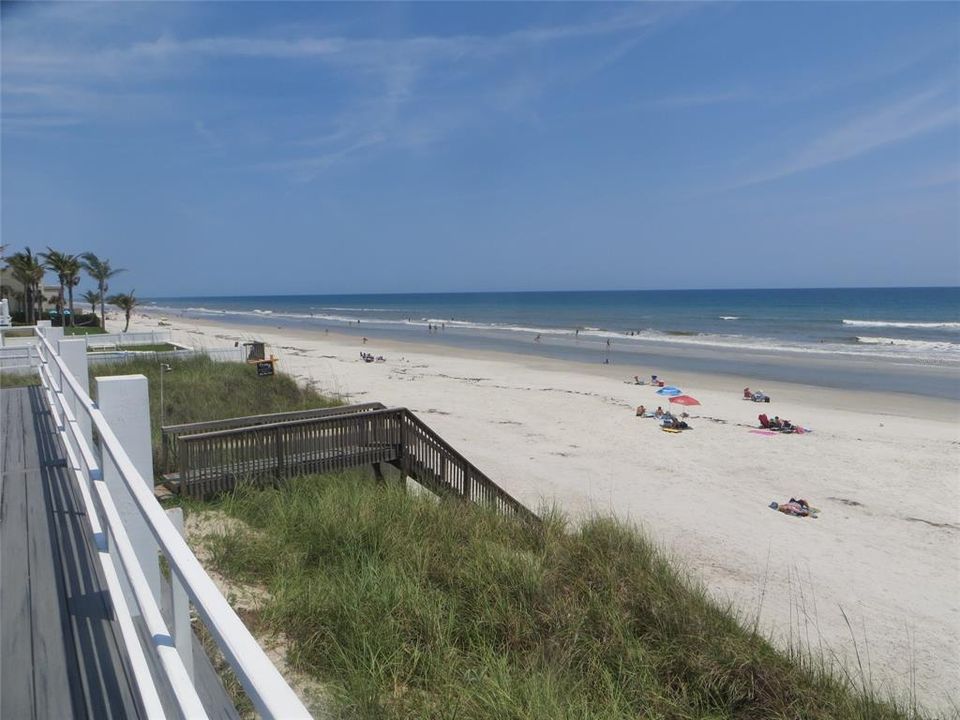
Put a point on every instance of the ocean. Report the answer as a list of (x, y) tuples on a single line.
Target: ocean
[(901, 339)]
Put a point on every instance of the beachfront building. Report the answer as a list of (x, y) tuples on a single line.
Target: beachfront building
[(12, 290)]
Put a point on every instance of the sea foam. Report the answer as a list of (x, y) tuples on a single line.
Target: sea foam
[(897, 324)]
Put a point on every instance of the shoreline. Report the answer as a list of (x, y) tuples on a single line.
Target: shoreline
[(910, 404), (881, 466), (835, 370)]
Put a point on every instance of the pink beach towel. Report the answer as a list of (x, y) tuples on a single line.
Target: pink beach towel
[(766, 433)]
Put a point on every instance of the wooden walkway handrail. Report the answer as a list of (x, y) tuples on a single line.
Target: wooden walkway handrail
[(251, 420), (228, 432), (473, 471), (215, 461), (172, 433)]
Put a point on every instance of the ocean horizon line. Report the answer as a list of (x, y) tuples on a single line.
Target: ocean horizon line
[(545, 292)]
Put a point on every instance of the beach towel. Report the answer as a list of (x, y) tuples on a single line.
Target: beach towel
[(765, 433)]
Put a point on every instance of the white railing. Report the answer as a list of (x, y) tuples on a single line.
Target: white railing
[(114, 340), (215, 354), (18, 358), (22, 335), (75, 414)]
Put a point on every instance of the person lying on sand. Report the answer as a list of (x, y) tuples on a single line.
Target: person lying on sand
[(658, 413), (795, 507), (641, 411), (669, 421), (781, 425)]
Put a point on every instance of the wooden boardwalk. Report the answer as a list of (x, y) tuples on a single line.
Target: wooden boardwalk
[(262, 451), (60, 655)]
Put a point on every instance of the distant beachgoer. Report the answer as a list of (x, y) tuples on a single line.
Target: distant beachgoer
[(364, 341), (606, 361), (636, 380), (577, 332), (608, 342), (641, 411), (537, 338), (653, 379), (658, 413), (747, 394)]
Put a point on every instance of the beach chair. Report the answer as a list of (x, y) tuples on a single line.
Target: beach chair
[(764, 421)]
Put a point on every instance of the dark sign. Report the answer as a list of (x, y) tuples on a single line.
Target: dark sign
[(264, 368)]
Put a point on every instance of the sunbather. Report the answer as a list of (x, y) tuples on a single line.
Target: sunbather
[(747, 395), (641, 411), (795, 507), (658, 413)]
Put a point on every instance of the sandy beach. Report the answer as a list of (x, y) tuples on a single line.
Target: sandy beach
[(876, 574)]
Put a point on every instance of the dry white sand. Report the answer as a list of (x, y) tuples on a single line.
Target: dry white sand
[(878, 573)]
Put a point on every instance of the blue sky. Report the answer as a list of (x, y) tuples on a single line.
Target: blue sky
[(247, 148)]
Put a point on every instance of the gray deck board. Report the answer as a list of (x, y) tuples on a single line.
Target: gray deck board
[(59, 650)]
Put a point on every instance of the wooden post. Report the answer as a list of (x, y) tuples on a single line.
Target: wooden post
[(125, 403), (466, 481), (279, 444)]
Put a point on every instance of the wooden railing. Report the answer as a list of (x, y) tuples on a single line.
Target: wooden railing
[(169, 457), (268, 453)]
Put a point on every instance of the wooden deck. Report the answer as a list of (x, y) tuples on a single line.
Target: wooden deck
[(60, 655)]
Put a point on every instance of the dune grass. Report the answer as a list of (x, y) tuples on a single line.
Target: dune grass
[(408, 607), (84, 330), (10, 379), (198, 389)]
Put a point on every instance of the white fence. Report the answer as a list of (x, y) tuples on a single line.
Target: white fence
[(18, 359), (112, 341), (128, 526), (23, 336), (215, 354)]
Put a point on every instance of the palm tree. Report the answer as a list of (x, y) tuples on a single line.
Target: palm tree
[(29, 272), (58, 262), (92, 297), (72, 275), (126, 302), (100, 271)]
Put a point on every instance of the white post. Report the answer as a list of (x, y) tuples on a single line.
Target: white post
[(125, 404), (73, 352), (182, 632)]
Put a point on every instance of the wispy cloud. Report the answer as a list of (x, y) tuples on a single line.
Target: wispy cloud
[(701, 99), (463, 77), (895, 122)]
